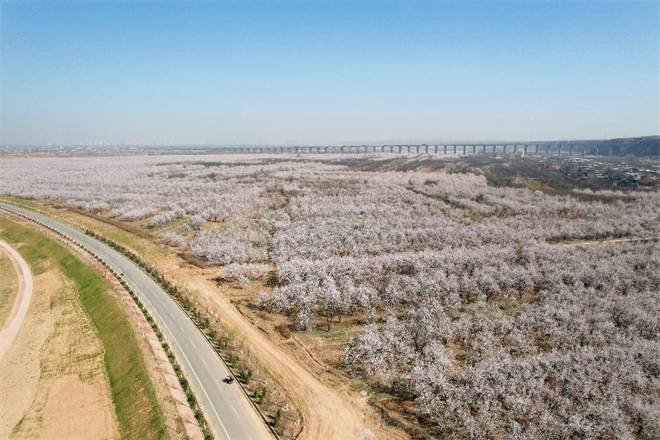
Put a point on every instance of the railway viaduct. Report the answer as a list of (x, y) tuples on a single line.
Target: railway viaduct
[(561, 148)]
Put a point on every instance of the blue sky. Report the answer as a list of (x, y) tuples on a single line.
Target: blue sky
[(321, 72)]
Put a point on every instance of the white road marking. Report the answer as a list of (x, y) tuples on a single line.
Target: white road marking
[(192, 370), (232, 408)]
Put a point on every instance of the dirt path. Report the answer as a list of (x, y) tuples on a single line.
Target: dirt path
[(22, 302), (331, 409), (608, 241)]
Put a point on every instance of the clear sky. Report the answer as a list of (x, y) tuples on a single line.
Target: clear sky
[(319, 72)]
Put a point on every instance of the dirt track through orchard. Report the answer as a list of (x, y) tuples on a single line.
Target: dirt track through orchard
[(331, 411), (608, 241), (20, 307)]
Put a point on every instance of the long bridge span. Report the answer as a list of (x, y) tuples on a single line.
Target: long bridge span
[(547, 148)]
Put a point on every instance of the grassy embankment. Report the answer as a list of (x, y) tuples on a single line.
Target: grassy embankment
[(102, 224), (8, 287), (137, 410)]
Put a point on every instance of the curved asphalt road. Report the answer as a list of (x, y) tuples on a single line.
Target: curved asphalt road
[(226, 408)]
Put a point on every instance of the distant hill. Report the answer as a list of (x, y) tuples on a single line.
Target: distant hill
[(640, 146)]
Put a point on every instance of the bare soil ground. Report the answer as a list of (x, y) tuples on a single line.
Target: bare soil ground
[(332, 409), (173, 424), (8, 287), (53, 382)]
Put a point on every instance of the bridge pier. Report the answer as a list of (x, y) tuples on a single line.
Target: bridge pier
[(454, 149), (436, 149), (426, 149), (445, 149), (474, 149)]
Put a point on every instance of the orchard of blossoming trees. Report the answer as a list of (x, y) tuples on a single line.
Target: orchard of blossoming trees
[(477, 301)]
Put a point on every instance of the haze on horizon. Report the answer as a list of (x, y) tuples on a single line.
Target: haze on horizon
[(243, 72)]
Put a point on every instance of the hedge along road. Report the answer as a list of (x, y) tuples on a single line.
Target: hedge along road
[(226, 408)]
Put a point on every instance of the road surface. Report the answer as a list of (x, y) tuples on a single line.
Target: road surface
[(20, 307), (226, 407)]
